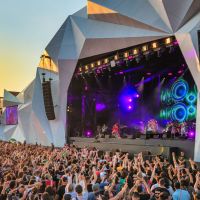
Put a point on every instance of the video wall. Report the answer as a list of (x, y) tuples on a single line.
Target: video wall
[(179, 102), (11, 117)]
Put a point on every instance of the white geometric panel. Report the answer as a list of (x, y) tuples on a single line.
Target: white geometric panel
[(26, 94), (176, 11), (98, 29), (160, 9), (99, 12), (190, 55), (54, 46), (139, 10), (10, 99)]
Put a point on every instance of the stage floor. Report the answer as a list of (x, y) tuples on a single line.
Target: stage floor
[(133, 146)]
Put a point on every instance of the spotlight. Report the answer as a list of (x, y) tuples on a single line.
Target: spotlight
[(86, 67), (126, 54), (106, 61), (154, 45), (137, 95), (88, 133), (130, 100), (130, 107), (92, 65), (135, 51), (99, 63), (80, 69), (144, 48), (116, 57), (191, 135), (168, 41)]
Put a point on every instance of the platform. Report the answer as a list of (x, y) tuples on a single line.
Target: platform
[(133, 146)]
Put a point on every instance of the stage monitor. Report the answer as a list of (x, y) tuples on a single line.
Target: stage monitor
[(11, 115)]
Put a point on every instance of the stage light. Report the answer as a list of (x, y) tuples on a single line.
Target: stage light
[(99, 63), (130, 100), (86, 67), (92, 65), (130, 107), (135, 52), (170, 74), (180, 72), (191, 135), (154, 45), (137, 95), (168, 41), (126, 54), (148, 73), (80, 69), (106, 61), (144, 48), (116, 57), (88, 133), (100, 107)]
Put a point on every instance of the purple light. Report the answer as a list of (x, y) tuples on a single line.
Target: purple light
[(191, 134), (130, 57), (148, 73), (130, 100), (137, 95), (180, 71), (86, 88), (130, 107), (88, 133), (170, 74), (100, 107)]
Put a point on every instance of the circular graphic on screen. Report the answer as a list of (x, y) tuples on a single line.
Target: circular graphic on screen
[(179, 112), (179, 90), (191, 98), (191, 110)]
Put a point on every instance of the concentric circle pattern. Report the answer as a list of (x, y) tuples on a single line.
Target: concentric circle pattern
[(179, 90), (179, 112)]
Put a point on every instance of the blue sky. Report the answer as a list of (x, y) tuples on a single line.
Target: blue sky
[(26, 27)]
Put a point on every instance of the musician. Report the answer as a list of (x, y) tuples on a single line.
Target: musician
[(116, 130), (183, 129), (104, 129)]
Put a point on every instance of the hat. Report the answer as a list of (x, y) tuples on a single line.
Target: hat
[(95, 187)]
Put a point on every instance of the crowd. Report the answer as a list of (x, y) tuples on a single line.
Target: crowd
[(34, 172)]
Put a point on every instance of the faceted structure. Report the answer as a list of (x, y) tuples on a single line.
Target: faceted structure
[(100, 27)]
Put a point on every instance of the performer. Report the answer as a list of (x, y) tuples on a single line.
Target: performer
[(104, 129), (115, 130), (183, 130)]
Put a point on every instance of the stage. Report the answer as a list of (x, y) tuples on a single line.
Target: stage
[(134, 146)]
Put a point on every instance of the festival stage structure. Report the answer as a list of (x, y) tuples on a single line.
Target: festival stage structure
[(97, 29)]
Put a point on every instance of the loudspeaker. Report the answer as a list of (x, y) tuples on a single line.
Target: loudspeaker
[(48, 101)]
